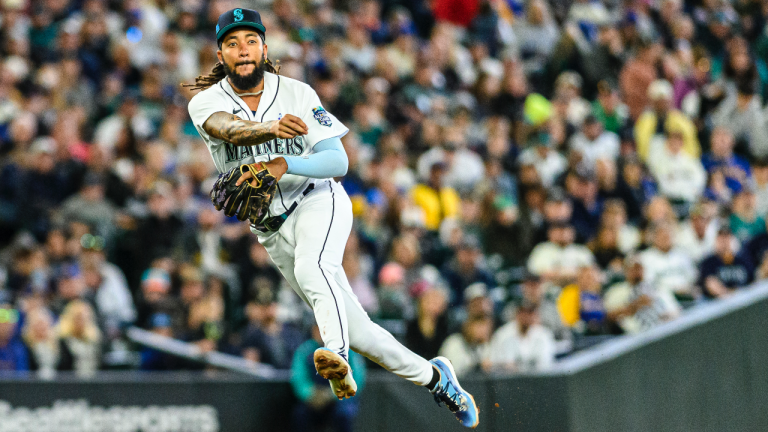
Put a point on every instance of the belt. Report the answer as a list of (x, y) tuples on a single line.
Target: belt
[(274, 223)]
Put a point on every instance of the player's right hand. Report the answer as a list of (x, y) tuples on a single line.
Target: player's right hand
[(289, 126)]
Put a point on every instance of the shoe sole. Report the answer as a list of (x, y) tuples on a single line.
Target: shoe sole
[(456, 382), (332, 367)]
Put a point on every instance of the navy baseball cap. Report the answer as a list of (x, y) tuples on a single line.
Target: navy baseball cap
[(238, 18)]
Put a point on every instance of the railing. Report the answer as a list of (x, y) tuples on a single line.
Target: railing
[(192, 352)]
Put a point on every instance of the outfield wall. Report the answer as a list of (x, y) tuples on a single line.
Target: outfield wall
[(707, 371)]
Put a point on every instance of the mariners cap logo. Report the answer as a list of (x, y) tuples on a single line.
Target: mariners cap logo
[(239, 18)]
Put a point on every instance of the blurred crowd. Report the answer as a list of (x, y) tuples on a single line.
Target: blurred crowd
[(528, 177)]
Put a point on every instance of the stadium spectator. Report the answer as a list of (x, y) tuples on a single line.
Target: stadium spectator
[(90, 207), (157, 234), (537, 35), (608, 108), (469, 350), (13, 353), (426, 332), (634, 188), (594, 143), (435, 198), (724, 271), (744, 220), (203, 309), (358, 267), (667, 268), (463, 168), (546, 161), (558, 260), (636, 77), (42, 342), (634, 304), (523, 345), (267, 339), (112, 297), (680, 176), (466, 268), (696, 236), (318, 408), (582, 187), (544, 297), (81, 339), (257, 271), (155, 297), (203, 243), (615, 218), (581, 305), (741, 113), (477, 302), (154, 360), (605, 248), (568, 88), (502, 224), (733, 168), (663, 119), (70, 286), (394, 301)]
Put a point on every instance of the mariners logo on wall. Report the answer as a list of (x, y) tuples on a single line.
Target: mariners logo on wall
[(321, 115)]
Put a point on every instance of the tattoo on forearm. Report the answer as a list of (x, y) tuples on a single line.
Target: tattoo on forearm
[(233, 129)]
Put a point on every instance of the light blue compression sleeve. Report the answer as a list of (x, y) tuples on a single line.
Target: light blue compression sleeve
[(328, 160)]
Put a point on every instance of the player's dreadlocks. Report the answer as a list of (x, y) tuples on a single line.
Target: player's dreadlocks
[(217, 74)]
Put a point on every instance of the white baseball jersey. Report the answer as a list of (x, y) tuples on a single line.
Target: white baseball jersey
[(281, 96)]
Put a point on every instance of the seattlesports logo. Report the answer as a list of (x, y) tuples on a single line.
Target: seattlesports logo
[(79, 416)]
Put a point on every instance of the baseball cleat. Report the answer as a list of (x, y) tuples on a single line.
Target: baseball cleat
[(449, 392), (336, 370)]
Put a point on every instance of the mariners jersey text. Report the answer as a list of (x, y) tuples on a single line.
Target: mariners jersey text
[(279, 146)]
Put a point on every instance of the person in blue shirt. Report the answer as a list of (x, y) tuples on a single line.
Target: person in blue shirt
[(13, 354), (725, 271), (735, 169), (318, 408)]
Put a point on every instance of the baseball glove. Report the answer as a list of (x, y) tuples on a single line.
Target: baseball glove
[(245, 201)]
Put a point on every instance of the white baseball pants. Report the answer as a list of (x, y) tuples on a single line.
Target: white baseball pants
[(308, 250)]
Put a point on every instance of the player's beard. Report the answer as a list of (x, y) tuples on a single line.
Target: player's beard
[(249, 81)]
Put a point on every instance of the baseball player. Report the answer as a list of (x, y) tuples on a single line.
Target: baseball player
[(246, 113)]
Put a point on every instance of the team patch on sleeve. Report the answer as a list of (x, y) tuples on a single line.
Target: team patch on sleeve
[(321, 115)]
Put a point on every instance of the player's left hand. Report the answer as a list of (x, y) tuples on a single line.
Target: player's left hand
[(277, 167)]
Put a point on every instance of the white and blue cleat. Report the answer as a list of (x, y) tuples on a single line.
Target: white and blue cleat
[(449, 392)]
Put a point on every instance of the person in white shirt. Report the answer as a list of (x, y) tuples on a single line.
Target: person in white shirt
[(549, 163), (469, 350), (634, 304), (696, 237), (594, 143), (666, 268), (679, 175), (559, 259), (465, 167), (523, 345), (112, 297)]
